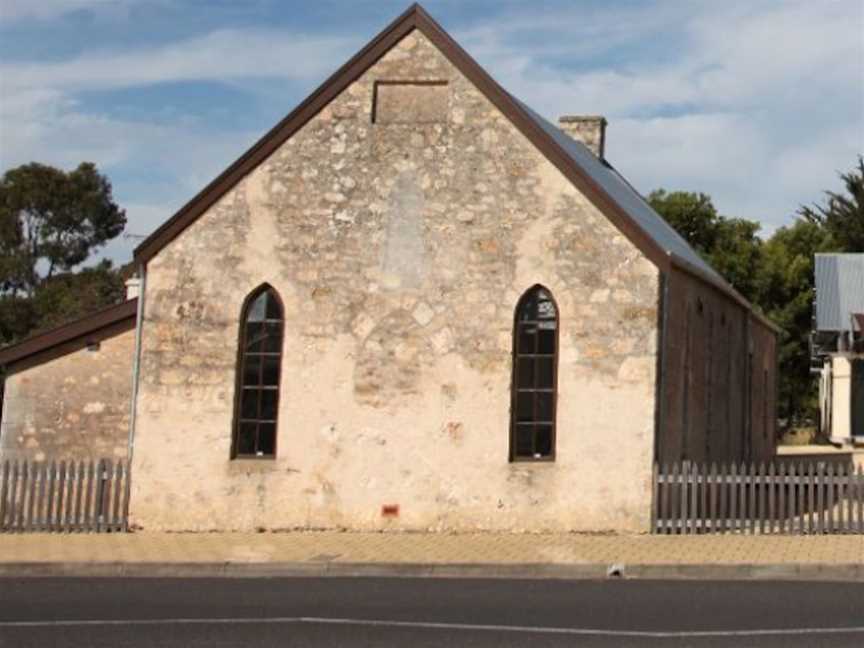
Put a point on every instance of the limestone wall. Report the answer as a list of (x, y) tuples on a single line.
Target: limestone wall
[(400, 243), (74, 406)]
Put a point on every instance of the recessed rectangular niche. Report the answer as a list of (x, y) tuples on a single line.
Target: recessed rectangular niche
[(410, 102)]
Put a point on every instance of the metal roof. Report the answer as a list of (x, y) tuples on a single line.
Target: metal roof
[(622, 192), (839, 290)]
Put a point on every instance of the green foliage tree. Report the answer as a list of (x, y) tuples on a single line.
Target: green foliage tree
[(51, 221), (786, 296), (842, 216), (731, 245)]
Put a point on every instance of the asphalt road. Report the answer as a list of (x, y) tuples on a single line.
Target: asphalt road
[(85, 613)]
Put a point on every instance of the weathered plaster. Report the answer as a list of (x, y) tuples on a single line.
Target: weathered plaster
[(400, 252), (72, 407)]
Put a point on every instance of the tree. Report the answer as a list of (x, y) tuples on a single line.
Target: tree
[(51, 221), (71, 295), (730, 245), (786, 296), (843, 215)]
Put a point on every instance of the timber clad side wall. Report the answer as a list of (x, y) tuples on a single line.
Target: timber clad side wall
[(717, 402)]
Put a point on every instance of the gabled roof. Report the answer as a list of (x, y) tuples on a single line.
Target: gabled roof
[(70, 337), (597, 180), (839, 282)]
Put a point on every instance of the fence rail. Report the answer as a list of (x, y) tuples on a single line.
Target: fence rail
[(781, 498), (64, 497)]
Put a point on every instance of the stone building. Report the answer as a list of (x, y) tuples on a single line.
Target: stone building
[(67, 392), (416, 304)]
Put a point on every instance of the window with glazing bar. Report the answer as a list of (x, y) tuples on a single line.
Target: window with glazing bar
[(259, 370), (535, 362)]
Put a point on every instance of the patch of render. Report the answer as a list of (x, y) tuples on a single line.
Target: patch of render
[(72, 407), (400, 251)]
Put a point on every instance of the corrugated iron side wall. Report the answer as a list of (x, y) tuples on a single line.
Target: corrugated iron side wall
[(839, 281)]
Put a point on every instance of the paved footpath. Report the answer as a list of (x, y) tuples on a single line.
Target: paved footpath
[(434, 554)]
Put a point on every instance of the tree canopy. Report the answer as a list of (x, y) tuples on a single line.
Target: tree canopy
[(52, 221)]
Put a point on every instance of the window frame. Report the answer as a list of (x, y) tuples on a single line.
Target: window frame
[(240, 368), (513, 457)]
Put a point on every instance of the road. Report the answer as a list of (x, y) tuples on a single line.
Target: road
[(269, 612)]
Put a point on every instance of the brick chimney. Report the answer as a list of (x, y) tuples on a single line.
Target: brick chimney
[(588, 129)]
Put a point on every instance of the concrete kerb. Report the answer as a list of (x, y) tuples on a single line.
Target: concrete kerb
[(852, 572)]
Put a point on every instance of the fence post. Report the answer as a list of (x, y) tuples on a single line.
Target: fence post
[(4, 491), (127, 486), (722, 485), (830, 498), (713, 497), (860, 490), (13, 497), (655, 491)]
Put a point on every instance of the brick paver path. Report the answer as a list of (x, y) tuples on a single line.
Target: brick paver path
[(433, 548)]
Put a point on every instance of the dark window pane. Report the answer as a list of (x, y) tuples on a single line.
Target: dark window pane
[(246, 439), (543, 440), (254, 336), (249, 406), (526, 372), (251, 370), (274, 311), (524, 434), (260, 368), (269, 398), (267, 439), (527, 338), (544, 406), (525, 406), (273, 337), (271, 370), (527, 309), (257, 309), (533, 416), (546, 340), (545, 372)]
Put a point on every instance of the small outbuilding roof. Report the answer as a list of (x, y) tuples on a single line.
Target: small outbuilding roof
[(70, 337), (839, 281)]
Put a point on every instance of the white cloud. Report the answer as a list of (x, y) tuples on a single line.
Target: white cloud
[(760, 106), (45, 9), (220, 55)]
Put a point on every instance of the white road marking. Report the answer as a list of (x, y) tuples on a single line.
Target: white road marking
[(437, 626)]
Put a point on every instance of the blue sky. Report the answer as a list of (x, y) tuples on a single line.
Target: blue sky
[(758, 103)]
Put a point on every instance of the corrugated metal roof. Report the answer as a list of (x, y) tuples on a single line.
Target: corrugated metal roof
[(839, 290), (663, 234)]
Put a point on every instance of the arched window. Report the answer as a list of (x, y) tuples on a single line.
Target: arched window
[(258, 371), (535, 367)]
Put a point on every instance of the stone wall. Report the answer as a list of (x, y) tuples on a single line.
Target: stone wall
[(400, 247), (74, 406)]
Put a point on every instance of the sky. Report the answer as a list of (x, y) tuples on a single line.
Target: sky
[(759, 104)]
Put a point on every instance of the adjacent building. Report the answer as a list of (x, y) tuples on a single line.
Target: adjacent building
[(838, 345)]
